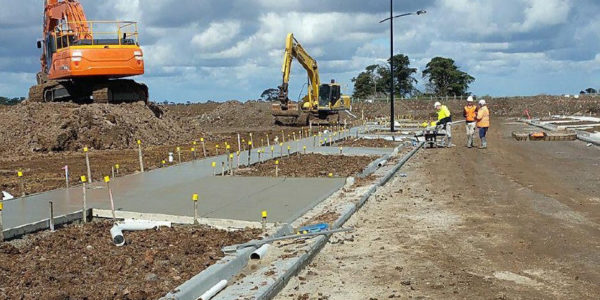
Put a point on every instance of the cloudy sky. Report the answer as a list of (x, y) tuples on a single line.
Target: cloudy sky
[(232, 49)]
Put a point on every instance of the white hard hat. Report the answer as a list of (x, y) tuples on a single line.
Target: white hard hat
[(470, 99), (437, 104), (481, 102)]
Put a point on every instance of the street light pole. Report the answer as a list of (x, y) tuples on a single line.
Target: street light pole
[(391, 18), (392, 129)]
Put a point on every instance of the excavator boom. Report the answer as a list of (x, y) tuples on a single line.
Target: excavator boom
[(322, 100)]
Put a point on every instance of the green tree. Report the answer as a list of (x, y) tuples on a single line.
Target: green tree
[(270, 94), (445, 79), (11, 101), (364, 83), (404, 82)]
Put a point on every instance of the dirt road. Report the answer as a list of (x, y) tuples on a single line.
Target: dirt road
[(518, 220)]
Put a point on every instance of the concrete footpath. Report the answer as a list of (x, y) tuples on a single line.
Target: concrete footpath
[(168, 191)]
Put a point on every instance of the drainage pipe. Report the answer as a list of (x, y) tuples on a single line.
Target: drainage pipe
[(129, 225), (214, 290), (382, 162), (260, 252)]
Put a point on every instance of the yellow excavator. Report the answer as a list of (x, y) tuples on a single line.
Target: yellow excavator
[(322, 101)]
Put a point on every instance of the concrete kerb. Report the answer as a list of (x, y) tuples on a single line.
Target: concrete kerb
[(320, 241), (19, 231), (224, 269)]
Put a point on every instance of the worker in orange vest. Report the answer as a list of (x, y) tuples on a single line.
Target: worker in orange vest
[(470, 114), (483, 122)]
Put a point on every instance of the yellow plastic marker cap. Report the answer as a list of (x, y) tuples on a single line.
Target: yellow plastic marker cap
[(231, 155), (163, 161), (304, 147), (85, 149), (238, 152), (330, 174), (271, 148), (106, 179), (194, 143), (217, 145), (289, 147), (264, 213), (213, 164), (83, 178), (202, 139), (178, 148), (1, 205), (193, 149), (195, 197), (139, 142), (227, 147), (117, 166), (280, 144), (249, 142), (19, 174), (277, 162)]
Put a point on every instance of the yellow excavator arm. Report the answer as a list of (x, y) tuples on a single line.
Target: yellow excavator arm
[(293, 49)]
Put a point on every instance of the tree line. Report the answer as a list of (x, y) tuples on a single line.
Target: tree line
[(11, 101), (443, 77)]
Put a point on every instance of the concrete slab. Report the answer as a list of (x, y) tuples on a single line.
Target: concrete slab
[(352, 150), (168, 191), (239, 198)]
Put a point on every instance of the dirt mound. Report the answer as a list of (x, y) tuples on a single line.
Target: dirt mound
[(538, 106), (42, 127), (238, 114)]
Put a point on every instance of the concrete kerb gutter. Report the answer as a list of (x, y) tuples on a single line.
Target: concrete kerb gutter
[(377, 163), (224, 269), (19, 231), (321, 241)]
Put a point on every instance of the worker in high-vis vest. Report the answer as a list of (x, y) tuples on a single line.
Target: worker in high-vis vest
[(470, 114), (483, 122), (444, 121)]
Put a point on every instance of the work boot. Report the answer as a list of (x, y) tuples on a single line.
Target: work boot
[(450, 143), (483, 143)]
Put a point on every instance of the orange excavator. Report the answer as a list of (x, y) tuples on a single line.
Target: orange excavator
[(84, 61)]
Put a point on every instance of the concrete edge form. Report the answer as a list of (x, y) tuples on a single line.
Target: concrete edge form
[(19, 231), (224, 269), (582, 136), (225, 224), (320, 241)]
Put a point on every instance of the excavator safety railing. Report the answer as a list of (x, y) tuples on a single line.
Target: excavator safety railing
[(95, 33)]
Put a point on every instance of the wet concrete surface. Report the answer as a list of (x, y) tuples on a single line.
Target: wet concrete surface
[(169, 190)]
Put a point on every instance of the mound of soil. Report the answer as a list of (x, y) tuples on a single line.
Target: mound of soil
[(310, 165), (81, 262), (375, 143), (44, 127)]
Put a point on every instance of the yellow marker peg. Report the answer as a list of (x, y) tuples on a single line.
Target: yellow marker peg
[(202, 139), (195, 197), (249, 143), (83, 178), (277, 162), (330, 175), (213, 164), (264, 214), (192, 149), (139, 142), (117, 166), (107, 179), (19, 174), (85, 149), (231, 156)]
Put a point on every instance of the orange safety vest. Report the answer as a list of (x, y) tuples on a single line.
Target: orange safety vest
[(483, 117), (470, 113)]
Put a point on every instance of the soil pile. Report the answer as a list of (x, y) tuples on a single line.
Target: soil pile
[(374, 143), (238, 114), (310, 165), (81, 262), (44, 127), (538, 106)]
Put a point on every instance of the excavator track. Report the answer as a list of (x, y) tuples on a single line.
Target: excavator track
[(107, 91)]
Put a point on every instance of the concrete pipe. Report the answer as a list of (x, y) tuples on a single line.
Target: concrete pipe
[(129, 225), (260, 252), (214, 290)]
